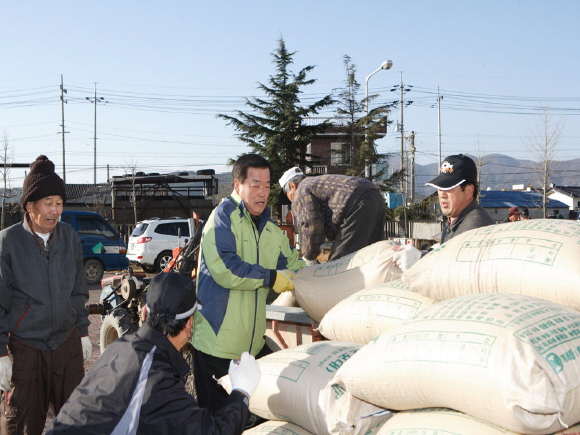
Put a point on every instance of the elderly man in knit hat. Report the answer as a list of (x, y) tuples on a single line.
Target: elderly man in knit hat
[(144, 392), (43, 319)]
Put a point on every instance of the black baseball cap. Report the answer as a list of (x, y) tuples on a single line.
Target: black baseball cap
[(171, 295), (524, 212), (455, 170)]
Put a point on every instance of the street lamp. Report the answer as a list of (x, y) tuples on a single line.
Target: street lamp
[(387, 64)]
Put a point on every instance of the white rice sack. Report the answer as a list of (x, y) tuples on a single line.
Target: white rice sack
[(511, 360), (285, 299), (362, 316), (296, 387), (537, 257), (276, 428), (438, 421), (320, 287)]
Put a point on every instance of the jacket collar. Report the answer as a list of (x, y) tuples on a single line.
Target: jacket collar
[(26, 223), (163, 344), (472, 205), (244, 210)]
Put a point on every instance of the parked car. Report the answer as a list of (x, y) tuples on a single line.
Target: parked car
[(103, 248), (152, 241)]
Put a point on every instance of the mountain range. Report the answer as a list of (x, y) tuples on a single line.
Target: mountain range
[(499, 172)]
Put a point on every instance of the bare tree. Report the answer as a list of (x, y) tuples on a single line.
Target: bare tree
[(131, 168), (7, 192), (480, 162), (542, 143)]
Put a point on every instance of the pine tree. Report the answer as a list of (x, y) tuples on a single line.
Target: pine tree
[(274, 128)]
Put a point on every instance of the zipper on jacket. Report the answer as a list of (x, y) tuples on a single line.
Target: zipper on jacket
[(257, 238)]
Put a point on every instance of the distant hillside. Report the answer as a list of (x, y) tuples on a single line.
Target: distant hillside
[(502, 172)]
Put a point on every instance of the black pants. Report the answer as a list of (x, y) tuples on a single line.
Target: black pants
[(363, 226), (39, 378), (207, 370)]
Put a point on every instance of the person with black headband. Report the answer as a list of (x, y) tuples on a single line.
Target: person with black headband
[(137, 385), (43, 320), (457, 190)]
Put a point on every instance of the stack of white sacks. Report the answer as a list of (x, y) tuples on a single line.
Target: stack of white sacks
[(480, 337)]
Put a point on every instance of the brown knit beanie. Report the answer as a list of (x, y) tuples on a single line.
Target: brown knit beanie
[(41, 182)]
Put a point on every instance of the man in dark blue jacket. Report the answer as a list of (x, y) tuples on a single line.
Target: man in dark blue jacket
[(137, 385)]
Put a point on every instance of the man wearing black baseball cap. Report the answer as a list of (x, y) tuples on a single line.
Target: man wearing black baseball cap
[(457, 189), (137, 385)]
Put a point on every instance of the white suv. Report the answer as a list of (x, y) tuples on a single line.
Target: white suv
[(152, 241)]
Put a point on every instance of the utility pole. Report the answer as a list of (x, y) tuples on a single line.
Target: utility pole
[(62, 103), (439, 98), (402, 91), (95, 100), (413, 149), (401, 130)]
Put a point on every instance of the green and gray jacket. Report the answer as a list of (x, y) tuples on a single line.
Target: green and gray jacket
[(237, 267)]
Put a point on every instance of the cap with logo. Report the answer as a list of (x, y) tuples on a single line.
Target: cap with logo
[(455, 170), (171, 295)]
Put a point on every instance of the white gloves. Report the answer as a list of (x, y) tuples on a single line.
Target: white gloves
[(245, 374), (405, 256), (87, 348), (5, 373), (311, 262)]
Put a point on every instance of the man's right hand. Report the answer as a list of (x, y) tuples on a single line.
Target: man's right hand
[(283, 283), (5, 373), (245, 374), (405, 256)]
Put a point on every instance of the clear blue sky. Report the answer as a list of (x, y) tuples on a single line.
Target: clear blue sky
[(167, 68)]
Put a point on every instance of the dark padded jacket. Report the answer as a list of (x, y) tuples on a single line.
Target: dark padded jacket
[(137, 387), (473, 216), (43, 291)]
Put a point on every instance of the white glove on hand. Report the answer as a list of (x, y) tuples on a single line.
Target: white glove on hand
[(405, 256), (311, 262), (5, 373), (87, 348), (245, 374)]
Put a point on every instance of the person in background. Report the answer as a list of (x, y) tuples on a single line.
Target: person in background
[(457, 189), (137, 385), (524, 213), (513, 215), (348, 211), (43, 320), (243, 255)]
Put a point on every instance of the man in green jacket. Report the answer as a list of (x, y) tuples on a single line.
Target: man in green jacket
[(243, 255)]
